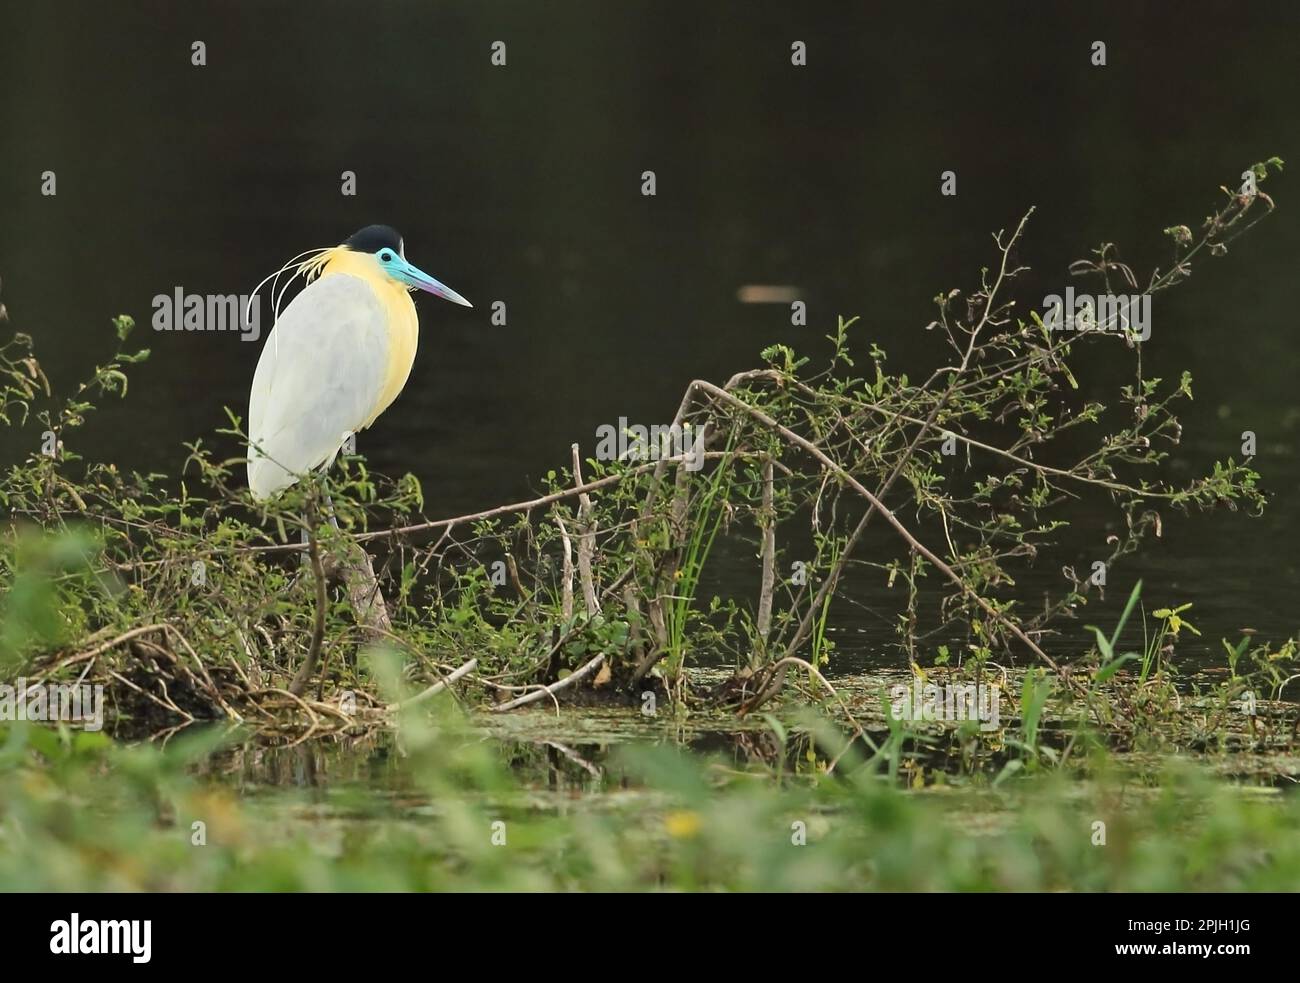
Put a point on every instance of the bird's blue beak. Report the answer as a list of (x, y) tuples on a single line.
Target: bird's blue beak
[(417, 278)]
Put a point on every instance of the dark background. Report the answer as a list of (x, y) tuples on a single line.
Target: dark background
[(522, 184)]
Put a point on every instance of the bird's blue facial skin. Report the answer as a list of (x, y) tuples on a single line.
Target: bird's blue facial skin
[(402, 271)]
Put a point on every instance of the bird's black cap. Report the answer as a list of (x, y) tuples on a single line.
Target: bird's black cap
[(373, 238)]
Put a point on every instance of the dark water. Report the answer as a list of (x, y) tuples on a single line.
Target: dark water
[(522, 184)]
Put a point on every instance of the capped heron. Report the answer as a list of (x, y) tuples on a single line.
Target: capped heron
[(336, 358)]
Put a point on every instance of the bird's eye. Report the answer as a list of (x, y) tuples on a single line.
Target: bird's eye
[(385, 255)]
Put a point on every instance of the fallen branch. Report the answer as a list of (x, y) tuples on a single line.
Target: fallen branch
[(552, 689), (437, 687)]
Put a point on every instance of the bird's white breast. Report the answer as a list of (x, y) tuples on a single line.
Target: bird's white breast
[(326, 370)]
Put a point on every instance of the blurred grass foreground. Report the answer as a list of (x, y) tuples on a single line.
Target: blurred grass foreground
[(80, 812)]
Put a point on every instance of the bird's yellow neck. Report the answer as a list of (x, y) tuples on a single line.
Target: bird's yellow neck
[(399, 314)]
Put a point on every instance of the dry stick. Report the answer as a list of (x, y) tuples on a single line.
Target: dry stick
[(99, 649), (348, 719), (492, 513), (552, 689), (586, 539), (162, 685), (513, 568), (566, 585), (160, 676), (167, 629), (252, 660), (212, 687), (437, 687), (318, 629), (527, 506), (169, 706), (158, 650), (445, 524), (559, 496), (763, 622), (807, 445), (315, 720), (661, 465)]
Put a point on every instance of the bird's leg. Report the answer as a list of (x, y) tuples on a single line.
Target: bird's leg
[(304, 673), (329, 508)]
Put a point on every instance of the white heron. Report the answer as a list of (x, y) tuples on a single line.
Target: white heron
[(336, 358)]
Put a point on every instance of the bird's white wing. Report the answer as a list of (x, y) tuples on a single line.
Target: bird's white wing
[(320, 375)]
